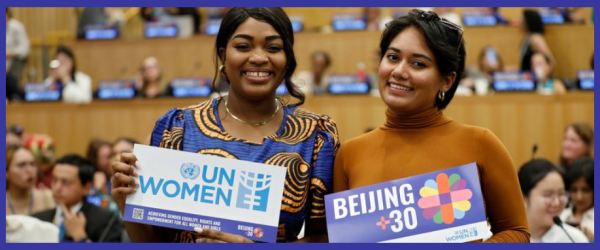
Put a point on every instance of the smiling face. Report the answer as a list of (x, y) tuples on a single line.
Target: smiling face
[(254, 60), (573, 146), (409, 78), (546, 201)]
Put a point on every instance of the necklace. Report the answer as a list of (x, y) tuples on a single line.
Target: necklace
[(12, 208), (251, 123)]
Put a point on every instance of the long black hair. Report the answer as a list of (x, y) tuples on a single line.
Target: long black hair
[(61, 49), (443, 38), (533, 21), (277, 18)]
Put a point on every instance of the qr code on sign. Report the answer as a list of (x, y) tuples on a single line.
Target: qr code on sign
[(138, 214)]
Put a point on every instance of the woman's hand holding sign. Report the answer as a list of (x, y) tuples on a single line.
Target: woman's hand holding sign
[(124, 183)]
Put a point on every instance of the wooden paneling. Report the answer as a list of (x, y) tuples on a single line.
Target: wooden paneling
[(519, 120), (572, 47)]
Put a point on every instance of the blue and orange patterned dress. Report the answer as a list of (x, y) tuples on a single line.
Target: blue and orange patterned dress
[(305, 144)]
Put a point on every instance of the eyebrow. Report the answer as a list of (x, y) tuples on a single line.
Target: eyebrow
[(414, 54), (251, 38)]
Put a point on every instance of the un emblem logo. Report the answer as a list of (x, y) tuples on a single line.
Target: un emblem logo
[(254, 191), (189, 170)]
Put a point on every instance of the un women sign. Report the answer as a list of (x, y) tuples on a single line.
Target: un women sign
[(442, 206), (185, 190)]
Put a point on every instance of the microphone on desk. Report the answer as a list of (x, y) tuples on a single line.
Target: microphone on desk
[(559, 223), (534, 150)]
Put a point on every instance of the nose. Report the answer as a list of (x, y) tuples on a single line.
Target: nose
[(576, 195), (400, 72), (259, 57)]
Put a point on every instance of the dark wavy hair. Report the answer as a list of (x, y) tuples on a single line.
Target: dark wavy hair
[(443, 38), (277, 18)]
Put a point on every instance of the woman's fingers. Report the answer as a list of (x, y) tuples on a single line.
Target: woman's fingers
[(124, 191), (123, 180), (208, 240), (124, 168)]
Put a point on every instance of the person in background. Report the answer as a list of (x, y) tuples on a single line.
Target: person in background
[(14, 136), (99, 153), (543, 189), (150, 79), (75, 86), (495, 12), (26, 229), (577, 143), (78, 220), (580, 184), (534, 41), (546, 84), (374, 19), (99, 17), (22, 197), (449, 14), (315, 82), (121, 145), (42, 147), (489, 62), (17, 46)]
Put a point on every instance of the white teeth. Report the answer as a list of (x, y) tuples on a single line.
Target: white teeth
[(400, 87), (258, 74)]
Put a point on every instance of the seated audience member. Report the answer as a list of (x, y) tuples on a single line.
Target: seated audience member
[(26, 229), (149, 82), (534, 41), (13, 91), (42, 147), (449, 14), (375, 21), (17, 47), (122, 145), (489, 62), (78, 220), (105, 17), (580, 183), (14, 136), (156, 14), (99, 153), (577, 143), (315, 82), (22, 197), (545, 197), (546, 84), (76, 86), (494, 11)]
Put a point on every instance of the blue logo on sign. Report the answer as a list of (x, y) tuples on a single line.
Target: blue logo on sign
[(254, 191), (189, 170)]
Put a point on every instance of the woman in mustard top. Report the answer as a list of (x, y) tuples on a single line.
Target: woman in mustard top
[(422, 59)]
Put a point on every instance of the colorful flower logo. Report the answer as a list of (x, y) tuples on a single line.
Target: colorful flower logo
[(445, 199), (258, 232)]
